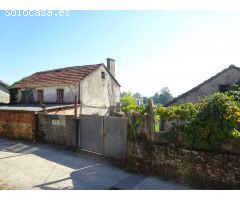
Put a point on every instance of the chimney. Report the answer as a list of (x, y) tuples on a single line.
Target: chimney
[(111, 66)]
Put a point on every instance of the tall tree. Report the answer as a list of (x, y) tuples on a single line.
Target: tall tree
[(128, 99), (163, 97)]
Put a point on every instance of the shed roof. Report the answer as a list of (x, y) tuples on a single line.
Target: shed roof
[(203, 83), (34, 107), (4, 84)]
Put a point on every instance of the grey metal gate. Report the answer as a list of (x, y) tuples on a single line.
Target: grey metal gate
[(115, 137), (91, 133), (103, 135)]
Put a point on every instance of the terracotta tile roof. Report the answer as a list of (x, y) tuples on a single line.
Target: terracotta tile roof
[(68, 75)]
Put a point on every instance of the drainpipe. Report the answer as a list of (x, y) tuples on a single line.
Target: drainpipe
[(78, 121), (80, 97)]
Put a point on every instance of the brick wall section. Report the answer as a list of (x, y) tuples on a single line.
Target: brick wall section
[(200, 169), (18, 124)]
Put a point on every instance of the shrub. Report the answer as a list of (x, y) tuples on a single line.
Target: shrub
[(208, 122), (181, 112), (217, 119)]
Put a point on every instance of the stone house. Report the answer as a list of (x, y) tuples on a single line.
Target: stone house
[(220, 82), (93, 87), (4, 92)]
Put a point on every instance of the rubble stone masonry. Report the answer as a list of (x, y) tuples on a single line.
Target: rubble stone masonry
[(198, 168)]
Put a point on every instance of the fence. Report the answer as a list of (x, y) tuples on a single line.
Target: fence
[(99, 134), (57, 129)]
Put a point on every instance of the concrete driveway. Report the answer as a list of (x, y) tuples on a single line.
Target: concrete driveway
[(42, 166)]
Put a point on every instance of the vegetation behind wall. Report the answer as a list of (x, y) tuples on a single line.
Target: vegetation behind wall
[(206, 124)]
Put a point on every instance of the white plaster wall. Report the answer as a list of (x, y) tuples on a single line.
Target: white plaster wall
[(50, 93), (99, 92), (4, 95), (95, 111)]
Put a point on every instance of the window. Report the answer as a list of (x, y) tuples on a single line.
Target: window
[(223, 88), (60, 95), (103, 75), (40, 96), (23, 97)]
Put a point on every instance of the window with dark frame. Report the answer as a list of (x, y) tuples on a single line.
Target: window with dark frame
[(40, 96), (23, 97), (103, 75), (60, 95), (223, 88)]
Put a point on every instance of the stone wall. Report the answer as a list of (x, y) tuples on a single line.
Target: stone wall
[(198, 168), (18, 124), (229, 77)]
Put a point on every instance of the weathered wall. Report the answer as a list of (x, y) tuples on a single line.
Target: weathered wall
[(202, 169), (98, 92), (57, 129), (18, 124), (229, 77), (4, 94), (64, 111), (50, 93)]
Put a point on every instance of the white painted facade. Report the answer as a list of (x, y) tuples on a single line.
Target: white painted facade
[(4, 94), (97, 94)]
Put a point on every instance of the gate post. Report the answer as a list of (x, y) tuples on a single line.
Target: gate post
[(77, 121), (150, 120)]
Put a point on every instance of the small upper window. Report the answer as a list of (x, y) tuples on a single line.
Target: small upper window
[(103, 75), (223, 88)]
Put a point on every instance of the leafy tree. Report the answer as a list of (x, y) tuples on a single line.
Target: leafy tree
[(234, 91), (145, 99), (128, 99), (137, 95), (163, 97)]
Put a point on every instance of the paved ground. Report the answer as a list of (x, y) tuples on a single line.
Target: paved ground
[(41, 166)]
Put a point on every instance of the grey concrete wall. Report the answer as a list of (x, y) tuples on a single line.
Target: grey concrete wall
[(57, 129), (229, 77), (4, 94)]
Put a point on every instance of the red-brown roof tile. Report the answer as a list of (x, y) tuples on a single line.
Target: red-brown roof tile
[(69, 75)]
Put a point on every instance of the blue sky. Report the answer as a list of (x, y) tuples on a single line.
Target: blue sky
[(152, 49)]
